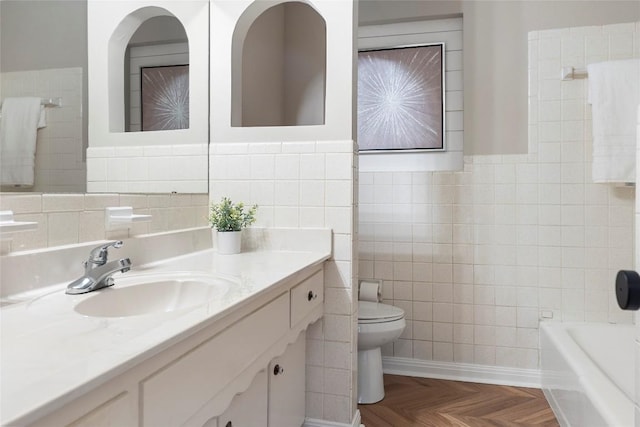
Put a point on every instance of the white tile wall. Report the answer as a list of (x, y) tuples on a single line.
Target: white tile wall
[(148, 169), (76, 218), (474, 257), (307, 184), (59, 163)]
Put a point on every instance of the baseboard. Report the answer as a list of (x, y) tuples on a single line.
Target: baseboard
[(313, 422), (462, 372)]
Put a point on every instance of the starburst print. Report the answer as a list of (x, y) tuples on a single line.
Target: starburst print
[(400, 98), (165, 95)]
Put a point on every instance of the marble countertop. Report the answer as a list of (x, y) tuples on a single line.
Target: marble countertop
[(51, 354)]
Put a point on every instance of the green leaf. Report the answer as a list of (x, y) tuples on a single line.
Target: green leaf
[(227, 216)]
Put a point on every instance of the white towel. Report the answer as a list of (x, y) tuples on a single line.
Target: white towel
[(21, 119), (614, 93)]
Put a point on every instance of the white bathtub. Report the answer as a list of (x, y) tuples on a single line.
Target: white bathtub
[(588, 372)]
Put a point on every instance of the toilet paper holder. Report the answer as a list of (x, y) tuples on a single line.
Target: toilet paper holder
[(370, 290)]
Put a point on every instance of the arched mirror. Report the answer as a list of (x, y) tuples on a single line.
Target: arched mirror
[(157, 76)]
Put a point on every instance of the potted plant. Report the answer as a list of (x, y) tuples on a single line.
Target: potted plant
[(229, 219)]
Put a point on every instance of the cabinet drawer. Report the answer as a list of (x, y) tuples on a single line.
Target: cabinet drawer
[(171, 396), (306, 296)]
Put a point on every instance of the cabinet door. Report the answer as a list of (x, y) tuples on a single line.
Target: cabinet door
[(248, 409), (287, 386), (177, 392), (116, 412)]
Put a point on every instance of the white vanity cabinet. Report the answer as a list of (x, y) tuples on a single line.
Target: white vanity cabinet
[(175, 395), (244, 368), (114, 404), (287, 386), (276, 397), (248, 408), (116, 412)]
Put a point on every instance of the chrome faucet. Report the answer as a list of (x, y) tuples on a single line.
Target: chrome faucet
[(97, 272)]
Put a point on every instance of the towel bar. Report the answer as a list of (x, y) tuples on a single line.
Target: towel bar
[(570, 73), (49, 102)]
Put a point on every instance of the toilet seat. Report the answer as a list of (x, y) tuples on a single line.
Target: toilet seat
[(375, 312)]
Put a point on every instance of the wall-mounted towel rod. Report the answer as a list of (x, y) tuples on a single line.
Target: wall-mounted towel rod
[(570, 73), (49, 102)]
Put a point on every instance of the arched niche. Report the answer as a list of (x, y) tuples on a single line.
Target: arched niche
[(279, 66), (155, 162), (157, 76), (118, 43), (111, 26)]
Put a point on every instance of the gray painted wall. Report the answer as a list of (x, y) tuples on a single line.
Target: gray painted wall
[(495, 58), (40, 35), (37, 35), (495, 46), (495, 55)]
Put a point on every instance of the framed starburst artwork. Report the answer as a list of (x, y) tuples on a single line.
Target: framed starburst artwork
[(401, 98), (165, 97)]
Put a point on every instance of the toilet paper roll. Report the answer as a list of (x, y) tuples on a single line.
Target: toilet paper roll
[(370, 291)]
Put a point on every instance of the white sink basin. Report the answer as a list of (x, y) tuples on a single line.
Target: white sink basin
[(157, 293), (140, 294)]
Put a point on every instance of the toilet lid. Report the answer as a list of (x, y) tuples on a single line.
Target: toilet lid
[(375, 312)]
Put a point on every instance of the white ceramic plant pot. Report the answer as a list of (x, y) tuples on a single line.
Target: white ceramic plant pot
[(229, 242)]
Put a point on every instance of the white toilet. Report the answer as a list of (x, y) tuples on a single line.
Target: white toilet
[(378, 324)]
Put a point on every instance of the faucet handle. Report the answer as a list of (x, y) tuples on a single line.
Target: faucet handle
[(99, 254)]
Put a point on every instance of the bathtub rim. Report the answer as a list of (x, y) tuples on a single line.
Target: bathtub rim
[(594, 382)]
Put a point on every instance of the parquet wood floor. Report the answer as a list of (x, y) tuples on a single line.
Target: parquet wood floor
[(429, 402)]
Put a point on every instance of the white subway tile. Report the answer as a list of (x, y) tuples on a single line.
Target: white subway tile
[(443, 332), (463, 353), (422, 350), (443, 351), (21, 203), (286, 193), (505, 296), (345, 146), (336, 408), (339, 166), (265, 148), (298, 147), (463, 314), (312, 166), (63, 228), (287, 166), (484, 315), (422, 331), (62, 202), (403, 348), (312, 217), (596, 45), (527, 317), (312, 193), (262, 166)]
